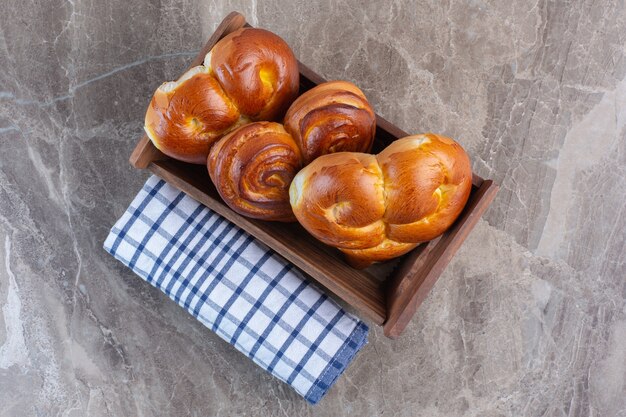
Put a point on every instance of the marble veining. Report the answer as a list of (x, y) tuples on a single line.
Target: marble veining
[(529, 319)]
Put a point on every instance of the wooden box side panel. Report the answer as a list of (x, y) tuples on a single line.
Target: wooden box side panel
[(416, 276)]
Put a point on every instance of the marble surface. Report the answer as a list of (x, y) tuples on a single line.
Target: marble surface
[(528, 320)]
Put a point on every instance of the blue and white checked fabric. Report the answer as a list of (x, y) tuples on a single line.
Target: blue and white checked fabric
[(237, 287)]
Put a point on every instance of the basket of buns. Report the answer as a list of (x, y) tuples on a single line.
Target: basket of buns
[(307, 167)]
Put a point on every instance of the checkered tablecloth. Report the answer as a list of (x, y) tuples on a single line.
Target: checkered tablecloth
[(237, 287)]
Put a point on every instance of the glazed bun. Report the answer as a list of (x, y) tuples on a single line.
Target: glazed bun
[(251, 74), (332, 117), (252, 168), (257, 70), (377, 207), (187, 116)]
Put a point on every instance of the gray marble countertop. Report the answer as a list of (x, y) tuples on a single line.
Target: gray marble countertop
[(528, 320)]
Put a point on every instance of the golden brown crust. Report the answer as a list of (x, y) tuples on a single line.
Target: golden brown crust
[(332, 117), (184, 119), (429, 179), (258, 71), (340, 200), (375, 208), (252, 168), (387, 249), (250, 74)]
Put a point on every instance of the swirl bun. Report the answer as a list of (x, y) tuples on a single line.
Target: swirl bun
[(333, 117), (252, 168), (378, 207), (251, 74)]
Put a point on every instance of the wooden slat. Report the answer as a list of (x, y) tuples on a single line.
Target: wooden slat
[(418, 274), (232, 22)]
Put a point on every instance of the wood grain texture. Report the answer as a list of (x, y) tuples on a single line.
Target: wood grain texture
[(144, 153), (386, 300), (416, 276)]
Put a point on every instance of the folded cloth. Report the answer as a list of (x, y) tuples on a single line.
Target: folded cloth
[(237, 287)]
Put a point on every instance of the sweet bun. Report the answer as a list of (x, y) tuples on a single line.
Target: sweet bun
[(332, 117), (378, 207), (251, 74), (187, 116), (252, 168), (258, 71)]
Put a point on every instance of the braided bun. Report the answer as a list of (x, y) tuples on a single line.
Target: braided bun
[(251, 74), (377, 207)]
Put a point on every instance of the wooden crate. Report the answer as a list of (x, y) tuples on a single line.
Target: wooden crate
[(388, 296)]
